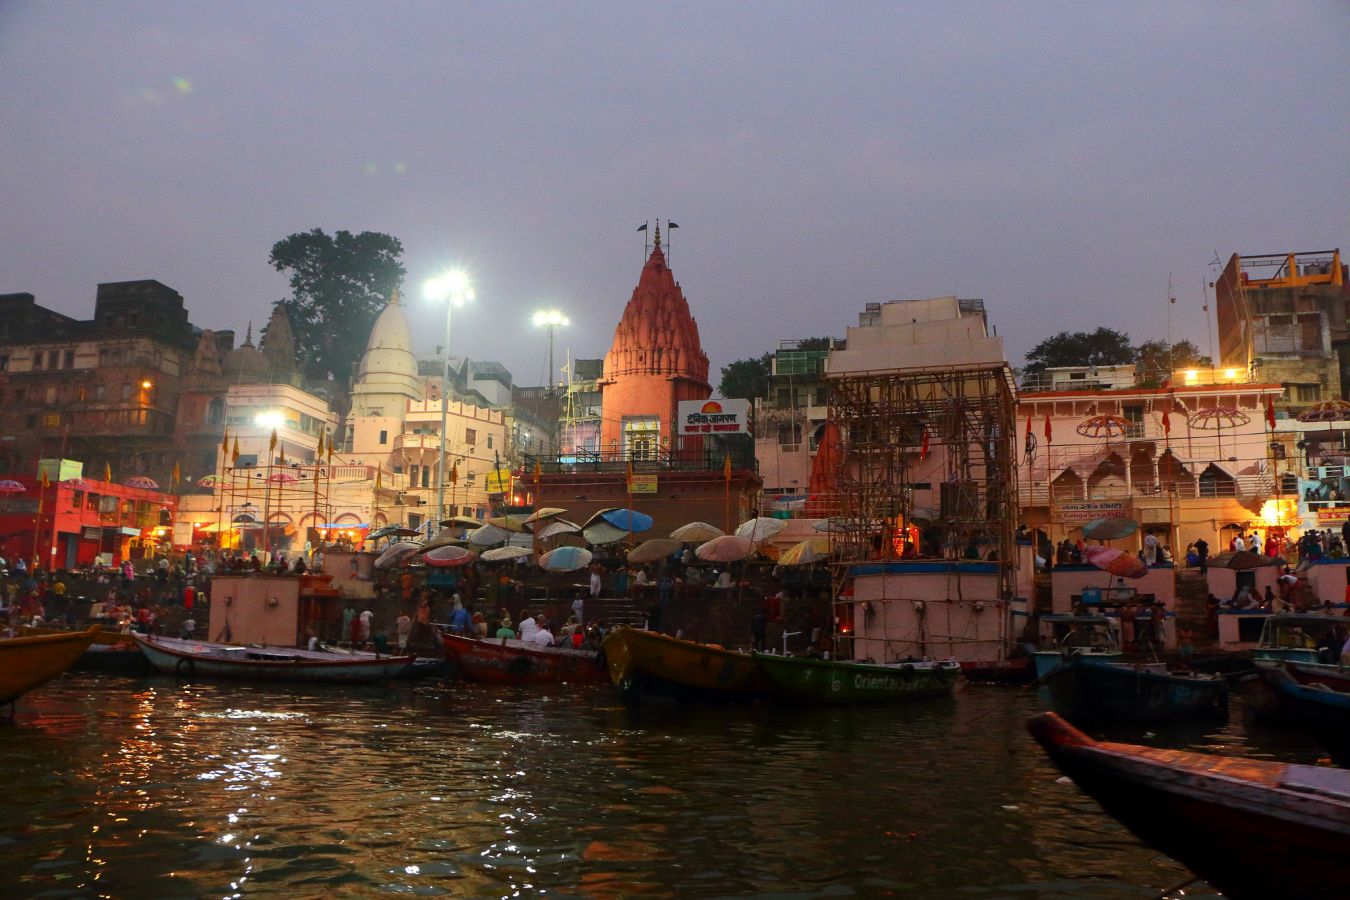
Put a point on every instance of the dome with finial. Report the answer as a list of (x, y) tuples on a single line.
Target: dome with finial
[(278, 345), (657, 334), (246, 363), (387, 375)]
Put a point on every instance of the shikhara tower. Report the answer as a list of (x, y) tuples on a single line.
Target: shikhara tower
[(655, 361)]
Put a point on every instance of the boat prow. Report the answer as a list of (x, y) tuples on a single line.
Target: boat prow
[(642, 661), (28, 662)]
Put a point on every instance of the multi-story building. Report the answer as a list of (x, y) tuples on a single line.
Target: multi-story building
[(790, 418), (582, 409), (1285, 319), (104, 391)]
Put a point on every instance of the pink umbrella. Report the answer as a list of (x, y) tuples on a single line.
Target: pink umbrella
[(282, 478), (78, 484), (210, 481), (1116, 561), (10, 486), (449, 555), (727, 548), (143, 482)]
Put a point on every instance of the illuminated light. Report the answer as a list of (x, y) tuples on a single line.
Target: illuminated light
[(1230, 374), (550, 318), (147, 384), (453, 286), (1278, 513), (182, 85), (1192, 376), (400, 168), (269, 419)]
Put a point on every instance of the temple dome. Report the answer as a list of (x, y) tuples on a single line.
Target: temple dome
[(246, 364), (389, 350), (657, 334)]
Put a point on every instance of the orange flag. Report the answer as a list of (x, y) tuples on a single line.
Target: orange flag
[(234, 454), (107, 471), (1270, 413), (177, 472), (42, 476), (454, 473), (1048, 432), (225, 445), (726, 466)]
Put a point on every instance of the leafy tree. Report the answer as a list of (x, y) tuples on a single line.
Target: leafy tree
[(746, 379), (815, 343), (339, 284), (1103, 347), (1155, 363)]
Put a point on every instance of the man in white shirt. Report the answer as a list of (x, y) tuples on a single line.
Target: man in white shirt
[(528, 626), (1239, 544), (541, 636), (595, 582), (366, 618), (1256, 542)]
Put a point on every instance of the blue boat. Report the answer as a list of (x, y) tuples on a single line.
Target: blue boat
[(1086, 691), (1302, 638), (1093, 639), (1311, 703)]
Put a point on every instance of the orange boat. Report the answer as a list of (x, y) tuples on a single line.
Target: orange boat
[(520, 662), (27, 662)]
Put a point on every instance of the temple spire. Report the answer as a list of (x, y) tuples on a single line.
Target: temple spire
[(656, 241), (248, 335)]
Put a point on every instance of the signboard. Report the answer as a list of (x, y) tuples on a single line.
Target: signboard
[(497, 481), (642, 484), (60, 469), (713, 417), (1080, 513), (182, 534), (1332, 516)]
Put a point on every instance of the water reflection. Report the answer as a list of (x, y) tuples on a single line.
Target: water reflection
[(160, 788)]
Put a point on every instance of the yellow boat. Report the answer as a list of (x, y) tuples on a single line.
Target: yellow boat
[(26, 662), (648, 661)]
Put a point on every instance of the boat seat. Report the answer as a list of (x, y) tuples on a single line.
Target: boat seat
[(1317, 780)]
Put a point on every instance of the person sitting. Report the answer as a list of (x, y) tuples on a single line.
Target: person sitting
[(724, 579), (504, 630), (478, 626), (541, 636), (1245, 599), (528, 626)]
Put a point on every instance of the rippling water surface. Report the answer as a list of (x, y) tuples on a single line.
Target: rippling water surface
[(153, 787)]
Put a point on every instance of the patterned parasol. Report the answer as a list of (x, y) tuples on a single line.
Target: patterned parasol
[(1104, 426), (1217, 417), (1326, 411)]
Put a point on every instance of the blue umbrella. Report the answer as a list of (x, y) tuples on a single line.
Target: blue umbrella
[(565, 559), (627, 519)]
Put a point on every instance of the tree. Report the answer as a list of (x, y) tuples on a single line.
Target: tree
[(746, 379), (339, 284), (815, 343), (1157, 364), (1103, 347)]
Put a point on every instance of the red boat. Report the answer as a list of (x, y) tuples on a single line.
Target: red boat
[(502, 661), (1250, 827)]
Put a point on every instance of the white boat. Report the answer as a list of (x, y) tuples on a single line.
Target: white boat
[(205, 659)]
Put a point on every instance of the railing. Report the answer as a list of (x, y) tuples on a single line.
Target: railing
[(701, 460)]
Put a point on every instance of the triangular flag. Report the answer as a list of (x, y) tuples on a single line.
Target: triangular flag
[(1048, 432), (726, 466), (234, 454), (1167, 423), (272, 444), (318, 454), (379, 477), (107, 471), (923, 446), (177, 472), (454, 473), (225, 444), (538, 470), (1270, 412), (42, 476), (282, 461)]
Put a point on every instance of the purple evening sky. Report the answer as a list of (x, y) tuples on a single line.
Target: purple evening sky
[(1058, 160)]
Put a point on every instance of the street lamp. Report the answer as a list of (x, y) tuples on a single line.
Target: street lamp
[(551, 319), (452, 288)]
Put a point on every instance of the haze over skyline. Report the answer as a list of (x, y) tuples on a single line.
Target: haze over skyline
[(1059, 161)]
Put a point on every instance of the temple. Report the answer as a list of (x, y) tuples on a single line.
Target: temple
[(656, 361)]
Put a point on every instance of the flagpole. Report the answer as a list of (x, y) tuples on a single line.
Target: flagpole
[(37, 524), (726, 475), (267, 499), (220, 486)]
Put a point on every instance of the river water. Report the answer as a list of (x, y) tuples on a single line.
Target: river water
[(152, 787)]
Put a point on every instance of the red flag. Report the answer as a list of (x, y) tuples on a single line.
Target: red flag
[(1270, 412), (1167, 423), (1048, 431), (923, 444), (1026, 443)]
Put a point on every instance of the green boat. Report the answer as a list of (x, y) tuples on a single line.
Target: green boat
[(846, 681)]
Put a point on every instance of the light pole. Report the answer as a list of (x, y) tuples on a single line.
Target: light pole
[(551, 319), (453, 289)]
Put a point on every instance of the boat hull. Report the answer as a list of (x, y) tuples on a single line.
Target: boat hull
[(1007, 671), (1091, 691), (28, 662), (202, 659), (1048, 661), (845, 682), (1322, 709), (1211, 812), (517, 662), (649, 662)]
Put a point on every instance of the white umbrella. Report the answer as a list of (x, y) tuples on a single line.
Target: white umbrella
[(487, 536), (761, 529), (556, 527), (396, 553), (603, 533), (501, 554), (727, 548), (696, 532), (565, 559)]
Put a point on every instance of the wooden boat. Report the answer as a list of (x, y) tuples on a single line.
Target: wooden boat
[(847, 681), (1086, 690), (1312, 703), (647, 661), (1093, 638), (111, 651), (1251, 828), (210, 660), (503, 661), (1301, 637), (1019, 670), (27, 662)]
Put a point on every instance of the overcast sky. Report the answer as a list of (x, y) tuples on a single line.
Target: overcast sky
[(1058, 160)]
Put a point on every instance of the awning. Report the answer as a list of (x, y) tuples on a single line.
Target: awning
[(344, 526)]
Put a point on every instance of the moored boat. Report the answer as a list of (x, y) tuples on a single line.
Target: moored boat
[(1322, 709), (1090, 638), (505, 661), (647, 661), (211, 660), (848, 681), (1211, 812), (110, 651), (27, 662), (1086, 690)]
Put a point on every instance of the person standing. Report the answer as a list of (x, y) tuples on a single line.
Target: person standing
[(367, 618), (402, 630), (1202, 554), (1239, 543), (1256, 542), (348, 631), (1151, 548)]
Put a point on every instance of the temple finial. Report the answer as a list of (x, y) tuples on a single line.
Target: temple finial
[(393, 298), (657, 240), (248, 335)]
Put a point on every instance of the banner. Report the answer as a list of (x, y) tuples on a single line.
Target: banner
[(713, 417), (642, 484), (1328, 516), (497, 481), (1080, 513)]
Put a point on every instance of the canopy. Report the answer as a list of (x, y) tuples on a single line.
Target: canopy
[(282, 478), (143, 482), (727, 548), (1116, 561), (508, 523), (557, 527), (502, 554), (204, 481), (565, 559), (656, 548), (761, 529), (1244, 559), (696, 532), (627, 519), (1109, 529), (392, 531), (546, 512), (396, 553), (443, 538), (808, 551), (603, 533), (466, 521), (10, 486)]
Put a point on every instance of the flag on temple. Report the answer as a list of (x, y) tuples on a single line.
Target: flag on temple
[(642, 227), (42, 476), (272, 444), (282, 461), (454, 473), (318, 454), (379, 477), (1270, 412), (1167, 423), (234, 454), (225, 445)]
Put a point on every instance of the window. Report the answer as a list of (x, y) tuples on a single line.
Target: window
[(37, 359), (471, 437), (412, 475), (51, 420), (426, 476), (80, 393), (4, 362), (215, 412), (489, 437), (68, 360), (53, 358), (384, 437), (822, 396), (1307, 393), (1134, 414), (100, 391), (49, 395), (126, 390), (789, 433)]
